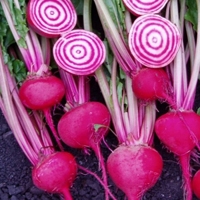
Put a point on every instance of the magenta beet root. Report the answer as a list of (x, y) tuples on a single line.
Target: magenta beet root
[(180, 133), (56, 173), (134, 169), (43, 92), (84, 127), (150, 84), (77, 127), (196, 184)]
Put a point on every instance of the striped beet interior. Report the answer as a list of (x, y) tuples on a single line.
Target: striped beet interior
[(142, 7), (79, 52), (154, 40), (51, 17)]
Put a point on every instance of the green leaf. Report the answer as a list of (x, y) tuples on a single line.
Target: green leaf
[(120, 87), (19, 70), (98, 126), (78, 6), (22, 43), (16, 67), (3, 24), (198, 111), (117, 11), (191, 14), (19, 19), (8, 39), (122, 75)]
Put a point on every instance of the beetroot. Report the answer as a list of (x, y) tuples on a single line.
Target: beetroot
[(196, 184), (76, 127), (56, 173), (180, 132), (43, 92), (150, 84), (134, 169)]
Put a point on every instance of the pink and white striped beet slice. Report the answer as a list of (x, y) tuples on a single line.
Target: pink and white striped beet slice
[(142, 7), (154, 41), (51, 18), (79, 52)]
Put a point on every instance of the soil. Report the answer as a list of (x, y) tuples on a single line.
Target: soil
[(16, 182)]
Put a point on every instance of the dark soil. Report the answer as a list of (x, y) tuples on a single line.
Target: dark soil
[(16, 183)]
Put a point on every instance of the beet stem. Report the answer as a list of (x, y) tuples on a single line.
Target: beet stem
[(170, 101), (184, 161), (99, 180), (66, 194), (50, 123), (98, 154)]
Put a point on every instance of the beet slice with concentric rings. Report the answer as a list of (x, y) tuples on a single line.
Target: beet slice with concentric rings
[(154, 41), (138, 7), (79, 52), (51, 18)]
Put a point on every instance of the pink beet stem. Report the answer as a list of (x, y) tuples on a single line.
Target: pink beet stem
[(184, 161), (100, 181), (52, 127), (66, 194), (98, 154), (170, 101)]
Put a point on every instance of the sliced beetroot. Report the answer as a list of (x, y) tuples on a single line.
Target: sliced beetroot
[(134, 169), (154, 41), (51, 18), (138, 7), (79, 52), (56, 173), (41, 92)]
